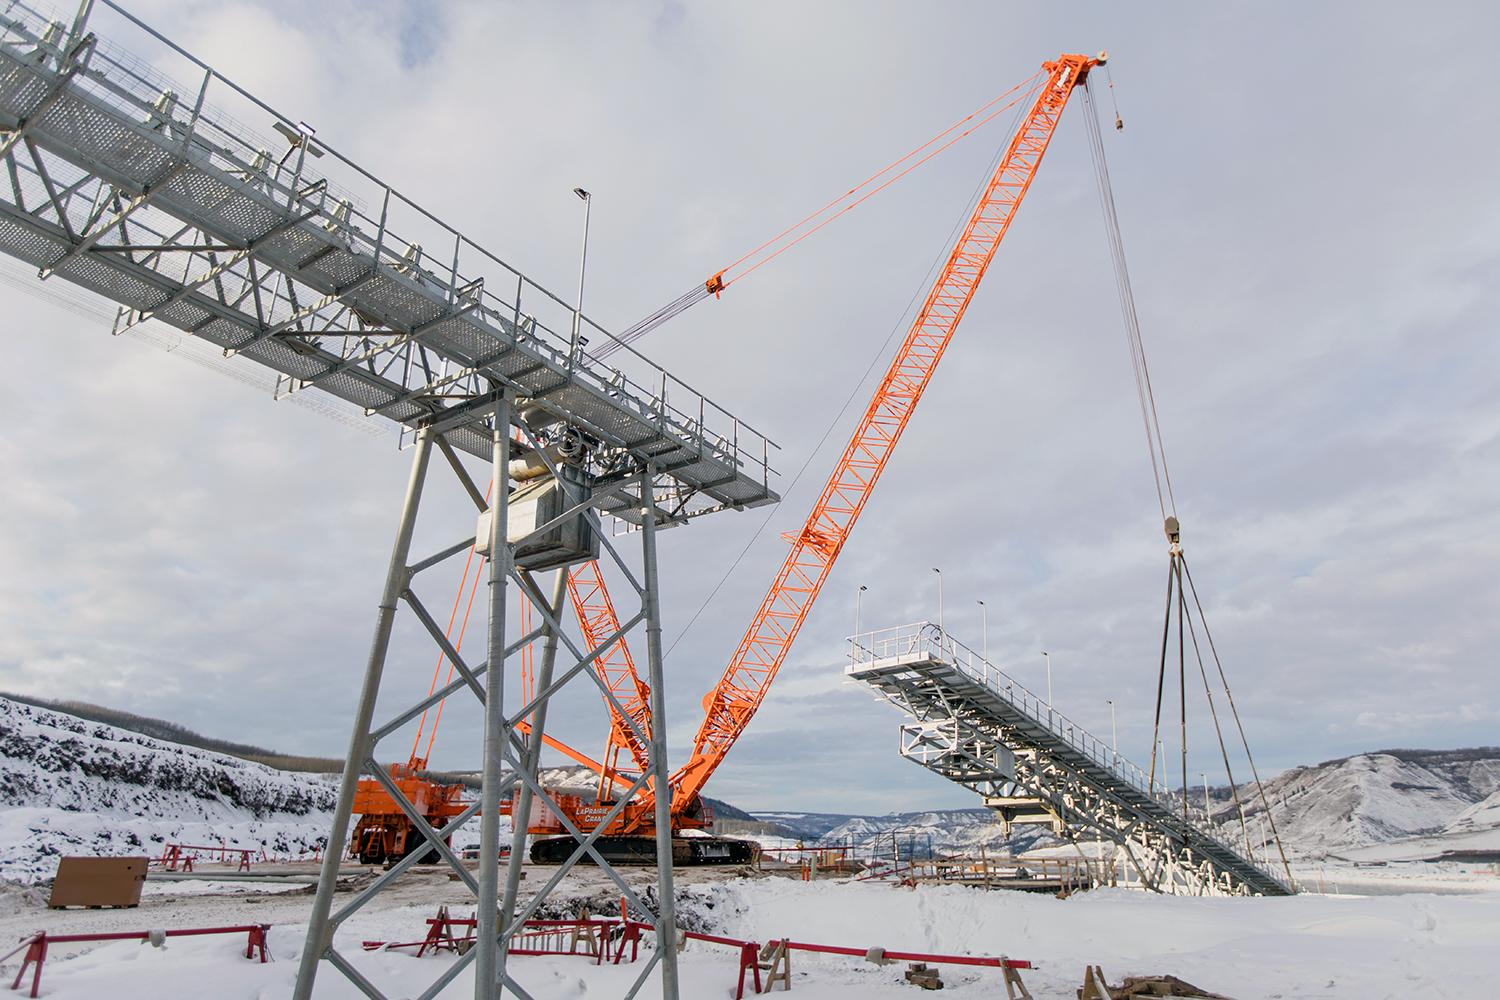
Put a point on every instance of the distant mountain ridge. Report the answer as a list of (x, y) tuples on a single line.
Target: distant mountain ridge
[(1430, 801)]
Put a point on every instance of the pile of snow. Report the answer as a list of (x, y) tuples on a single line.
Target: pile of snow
[(68, 786)]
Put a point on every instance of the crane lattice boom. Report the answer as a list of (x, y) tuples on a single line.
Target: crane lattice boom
[(734, 701)]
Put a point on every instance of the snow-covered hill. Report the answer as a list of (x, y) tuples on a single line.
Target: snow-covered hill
[(940, 832), (1430, 800), (68, 786), (73, 786), (1384, 797)]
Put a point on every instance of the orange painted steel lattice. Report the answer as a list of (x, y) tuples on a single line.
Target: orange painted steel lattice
[(734, 700), (732, 703), (615, 667)]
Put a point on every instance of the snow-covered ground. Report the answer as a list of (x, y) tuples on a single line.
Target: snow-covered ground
[(69, 786), (1307, 947), (1409, 928)]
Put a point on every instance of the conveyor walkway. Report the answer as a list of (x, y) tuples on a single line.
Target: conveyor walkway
[(977, 726)]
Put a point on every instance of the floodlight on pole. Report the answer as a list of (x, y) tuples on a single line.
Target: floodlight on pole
[(940, 601), (583, 259), (1048, 657), (1114, 733), (984, 631), (854, 642)]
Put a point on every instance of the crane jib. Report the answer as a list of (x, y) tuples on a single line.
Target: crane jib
[(732, 703)]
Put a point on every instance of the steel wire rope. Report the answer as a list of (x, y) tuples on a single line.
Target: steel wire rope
[(883, 170), (875, 359), (1239, 725), (1218, 732), (1144, 392), (701, 291), (1165, 496), (874, 191)]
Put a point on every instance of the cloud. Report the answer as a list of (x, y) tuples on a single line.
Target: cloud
[(1316, 298)]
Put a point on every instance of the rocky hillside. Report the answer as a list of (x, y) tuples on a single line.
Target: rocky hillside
[(71, 786), (939, 832), (1435, 801), (1384, 797)]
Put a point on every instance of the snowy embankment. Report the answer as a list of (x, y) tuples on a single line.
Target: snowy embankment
[(1406, 804), (1396, 803), (1311, 948), (68, 786)]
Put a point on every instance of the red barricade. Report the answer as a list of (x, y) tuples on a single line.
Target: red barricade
[(36, 945)]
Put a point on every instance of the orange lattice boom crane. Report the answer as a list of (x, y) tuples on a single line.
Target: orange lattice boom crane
[(733, 702)]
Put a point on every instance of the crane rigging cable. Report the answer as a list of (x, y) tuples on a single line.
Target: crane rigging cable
[(902, 321), (1146, 396), (820, 217), (1179, 577)]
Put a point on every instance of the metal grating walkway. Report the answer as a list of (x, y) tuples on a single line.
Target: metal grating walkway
[(976, 726), (153, 195)]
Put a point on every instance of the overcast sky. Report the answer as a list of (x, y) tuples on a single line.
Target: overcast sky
[(1308, 199)]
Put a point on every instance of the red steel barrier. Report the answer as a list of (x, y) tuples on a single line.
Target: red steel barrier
[(173, 855), (440, 937), (36, 945), (750, 955), (908, 956), (537, 937)]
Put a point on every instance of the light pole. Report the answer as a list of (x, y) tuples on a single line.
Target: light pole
[(1207, 809), (940, 601), (583, 259), (984, 632), (1048, 657), (1114, 733), (854, 642)]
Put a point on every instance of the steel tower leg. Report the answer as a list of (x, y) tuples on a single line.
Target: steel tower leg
[(509, 762), (666, 923), (319, 930), (496, 730), (532, 760)]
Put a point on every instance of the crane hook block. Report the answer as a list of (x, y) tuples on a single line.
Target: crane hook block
[(715, 284), (1174, 530), (1119, 124)]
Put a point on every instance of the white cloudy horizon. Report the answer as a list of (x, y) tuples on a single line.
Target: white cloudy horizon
[(1307, 200)]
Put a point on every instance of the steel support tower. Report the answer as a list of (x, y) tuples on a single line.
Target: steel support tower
[(284, 253), (975, 725)]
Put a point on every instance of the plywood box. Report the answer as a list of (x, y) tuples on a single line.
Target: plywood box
[(98, 882)]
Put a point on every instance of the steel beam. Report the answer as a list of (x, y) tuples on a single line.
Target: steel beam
[(666, 918), (319, 930), (486, 967)]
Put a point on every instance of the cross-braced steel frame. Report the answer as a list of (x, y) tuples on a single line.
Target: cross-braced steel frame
[(284, 253), (976, 726), (513, 732)]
